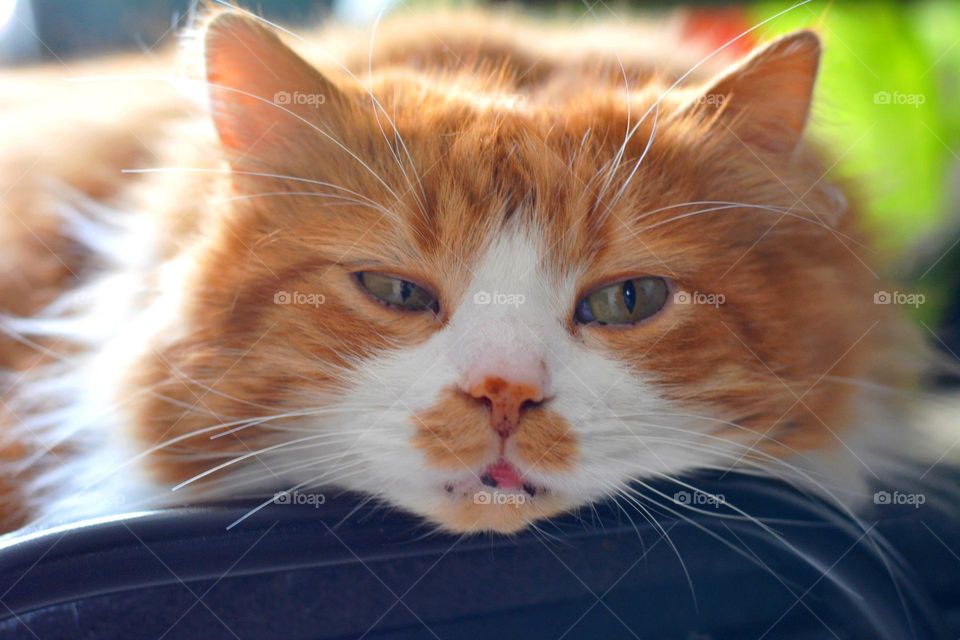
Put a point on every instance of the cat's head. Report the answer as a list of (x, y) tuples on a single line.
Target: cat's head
[(488, 305)]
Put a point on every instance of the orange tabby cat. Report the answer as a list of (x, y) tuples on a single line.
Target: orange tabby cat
[(486, 271)]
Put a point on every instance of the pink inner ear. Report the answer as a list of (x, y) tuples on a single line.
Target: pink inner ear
[(234, 133), (248, 67)]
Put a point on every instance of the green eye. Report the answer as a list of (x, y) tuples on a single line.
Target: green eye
[(625, 302), (397, 292)]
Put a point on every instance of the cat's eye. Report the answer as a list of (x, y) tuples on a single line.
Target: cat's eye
[(397, 292), (625, 302)]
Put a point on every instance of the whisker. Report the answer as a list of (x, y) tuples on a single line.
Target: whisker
[(378, 106), (340, 201), (636, 167), (265, 503), (258, 174), (252, 96)]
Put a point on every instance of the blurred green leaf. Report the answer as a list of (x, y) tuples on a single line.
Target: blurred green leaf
[(882, 106)]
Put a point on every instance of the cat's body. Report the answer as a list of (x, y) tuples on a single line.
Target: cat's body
[(210, 325)]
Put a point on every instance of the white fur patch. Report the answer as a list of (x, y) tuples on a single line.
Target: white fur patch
[(76, 400)]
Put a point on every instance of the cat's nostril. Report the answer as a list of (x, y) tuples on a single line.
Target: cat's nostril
[(528, 404)]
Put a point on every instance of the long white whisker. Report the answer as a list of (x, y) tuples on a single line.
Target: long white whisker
[(377, 108), (247, 456), (305, 194), (265, 503), (258, 174), (636, 166), (698, 212)]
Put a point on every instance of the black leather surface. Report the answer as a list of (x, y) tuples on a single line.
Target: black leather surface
[(332, 572)]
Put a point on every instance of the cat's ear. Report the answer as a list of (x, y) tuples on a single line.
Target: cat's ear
[(264, 98), (765, 99)]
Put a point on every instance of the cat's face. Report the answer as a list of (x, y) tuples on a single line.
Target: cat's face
[(489, 311)]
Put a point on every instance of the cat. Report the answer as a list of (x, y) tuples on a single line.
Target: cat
[(486, 270)]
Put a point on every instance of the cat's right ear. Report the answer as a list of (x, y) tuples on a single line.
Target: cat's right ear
[(265, 99)]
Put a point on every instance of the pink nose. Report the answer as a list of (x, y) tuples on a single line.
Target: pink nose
[(507, 400)]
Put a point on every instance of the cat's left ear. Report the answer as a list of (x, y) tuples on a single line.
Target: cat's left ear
[(765, 100), (265, 99)]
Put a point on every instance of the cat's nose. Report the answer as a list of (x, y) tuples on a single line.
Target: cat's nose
[(507, 401)]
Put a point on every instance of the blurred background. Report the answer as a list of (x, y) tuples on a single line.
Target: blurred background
[(887, 102)]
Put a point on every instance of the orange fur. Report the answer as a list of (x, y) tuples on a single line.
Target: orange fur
[(487, 142)]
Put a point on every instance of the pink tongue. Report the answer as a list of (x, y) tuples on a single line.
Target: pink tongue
[(505, 475)]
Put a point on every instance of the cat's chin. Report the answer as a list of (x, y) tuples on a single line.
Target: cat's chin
[(502, 514)]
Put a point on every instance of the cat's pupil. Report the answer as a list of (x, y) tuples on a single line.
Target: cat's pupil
[(397, 292), (629, 295), (625, 302)]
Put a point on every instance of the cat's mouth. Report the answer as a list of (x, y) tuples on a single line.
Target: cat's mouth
[(502, 478), (498, 498)]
